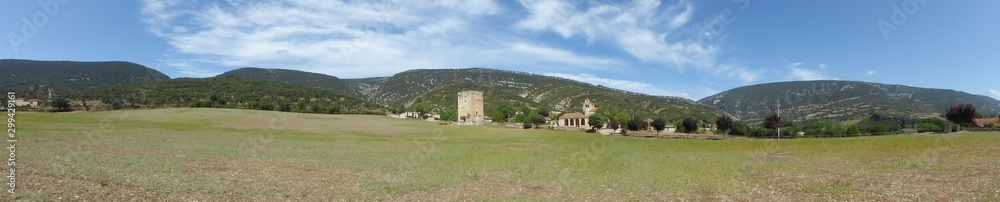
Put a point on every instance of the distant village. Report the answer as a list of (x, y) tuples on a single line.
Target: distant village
[(470, 107), (35, 103)]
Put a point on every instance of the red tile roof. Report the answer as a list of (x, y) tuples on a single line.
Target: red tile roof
[(982, 122)]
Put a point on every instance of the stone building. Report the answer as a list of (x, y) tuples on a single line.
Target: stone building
[(577, 119), (589, 108), (470, 105)]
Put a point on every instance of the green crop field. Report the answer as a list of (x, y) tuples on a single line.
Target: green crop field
[(224, 154)]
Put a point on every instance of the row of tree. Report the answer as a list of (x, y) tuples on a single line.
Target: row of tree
[(773, 126), (225, 92)]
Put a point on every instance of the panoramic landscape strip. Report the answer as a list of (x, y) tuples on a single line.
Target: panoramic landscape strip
[(487, 100)]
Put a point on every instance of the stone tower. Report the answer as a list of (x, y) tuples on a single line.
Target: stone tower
[(470, 105), (588, 107)]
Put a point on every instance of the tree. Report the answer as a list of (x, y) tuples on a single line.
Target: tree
[(335, 109), (740, 128), (285, 107), (61, 105), (538, 120), (421, 108), (879, 129), (633, 124), (659, 124), (498, 117), (544, 111), (690, 125), (398, 109), (853, 130), (596, 121), (450, 115), (613, 124), (725, 124), (622, 118), (608, 111), (961, 114), (773, 122), (529, 117)]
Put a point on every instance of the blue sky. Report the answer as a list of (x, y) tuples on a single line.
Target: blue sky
[(690, 49)]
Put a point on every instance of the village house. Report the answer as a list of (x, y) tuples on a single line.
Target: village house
[(982, 123), (33, 102), (29, 102), (410, 115), (19, 102)]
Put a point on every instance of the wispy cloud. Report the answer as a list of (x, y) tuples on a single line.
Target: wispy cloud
[(621, 84), (871, 72), (352, 39), (822, 66), (995, 92), (347, 39), (803, 74), (635, 28)]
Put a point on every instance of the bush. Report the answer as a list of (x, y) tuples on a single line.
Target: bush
[(879, 129), (527, 125), (853, 130), (61, 105)]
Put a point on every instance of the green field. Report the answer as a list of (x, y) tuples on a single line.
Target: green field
[(224, 154)]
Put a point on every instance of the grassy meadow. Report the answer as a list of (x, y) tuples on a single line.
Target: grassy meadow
[(226, 154)]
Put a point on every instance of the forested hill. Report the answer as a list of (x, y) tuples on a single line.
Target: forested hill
[(315, 80), (51, 79), (504, 90), (842, 100), (228, 92), (439, 87)]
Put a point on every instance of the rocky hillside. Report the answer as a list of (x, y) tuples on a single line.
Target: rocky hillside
[(437, 87), (840, 100)]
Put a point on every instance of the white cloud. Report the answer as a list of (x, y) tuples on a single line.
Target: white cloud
[(822, 66), (871, 72), (802, 74), (352, 39), (636, 28), (995, 92), (627, 85), (346, 39)]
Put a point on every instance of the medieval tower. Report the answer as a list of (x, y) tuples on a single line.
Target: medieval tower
[(470, 105), (589, 108)]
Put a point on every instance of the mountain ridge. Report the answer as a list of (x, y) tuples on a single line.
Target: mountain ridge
[(50, 79), (840, 100), (534, 90), (799, 100)]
